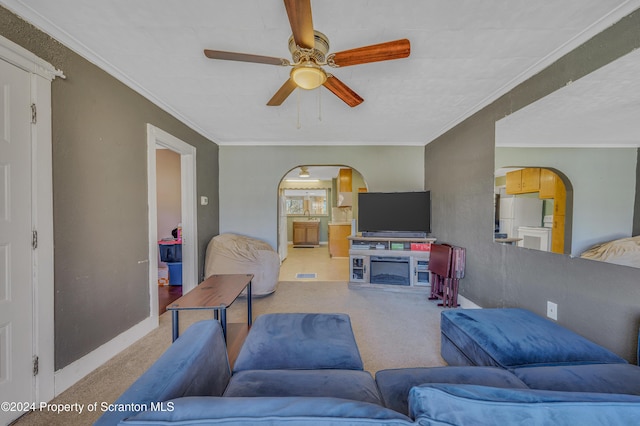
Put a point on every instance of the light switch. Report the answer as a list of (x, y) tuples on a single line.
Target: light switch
[(552, 310), (204, 200)]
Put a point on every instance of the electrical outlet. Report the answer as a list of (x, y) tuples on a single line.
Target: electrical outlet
[(552, 310), (204, 200)]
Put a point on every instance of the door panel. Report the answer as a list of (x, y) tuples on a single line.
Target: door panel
[(16, 291)]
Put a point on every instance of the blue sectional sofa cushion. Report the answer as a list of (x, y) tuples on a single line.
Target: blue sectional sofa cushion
[(461, 405), (345, 384), (299, 341), (394, 384), (271, 411), (196, 364), (601, 378), (512, 338)]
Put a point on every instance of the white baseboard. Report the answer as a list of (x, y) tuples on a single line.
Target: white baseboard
[(72, 373), (467, 304)]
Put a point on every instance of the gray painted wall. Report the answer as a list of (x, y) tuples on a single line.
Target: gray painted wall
[(598, 300), (100, 196), (250, 175)]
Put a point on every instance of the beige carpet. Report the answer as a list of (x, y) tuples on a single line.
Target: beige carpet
[(392, 330)]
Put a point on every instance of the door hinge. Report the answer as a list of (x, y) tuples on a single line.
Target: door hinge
[(34, 240), (36, 365), (34, 114)]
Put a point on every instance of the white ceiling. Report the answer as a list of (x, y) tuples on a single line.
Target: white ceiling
[(464, 54), (601, 109)]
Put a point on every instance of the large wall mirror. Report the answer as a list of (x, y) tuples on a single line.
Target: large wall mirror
[(588, 135)]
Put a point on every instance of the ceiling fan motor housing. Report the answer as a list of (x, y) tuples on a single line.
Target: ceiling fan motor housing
[(317, 54)]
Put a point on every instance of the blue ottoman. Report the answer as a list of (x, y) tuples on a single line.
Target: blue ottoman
[(511, 338), (300, 341)]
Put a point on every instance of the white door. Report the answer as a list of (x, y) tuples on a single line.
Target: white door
[(16, 308)]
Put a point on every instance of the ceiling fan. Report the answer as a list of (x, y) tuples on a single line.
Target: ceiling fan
[(309, 53)]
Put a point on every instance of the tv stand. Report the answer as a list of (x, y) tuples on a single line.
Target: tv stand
[(389, 263)]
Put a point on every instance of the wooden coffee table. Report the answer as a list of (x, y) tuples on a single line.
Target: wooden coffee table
[(217, 293)]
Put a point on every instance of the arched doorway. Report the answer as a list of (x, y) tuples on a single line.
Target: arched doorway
[(533, 208), (316, 205)]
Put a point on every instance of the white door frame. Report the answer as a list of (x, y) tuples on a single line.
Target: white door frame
[(42, 73), (159, 138)]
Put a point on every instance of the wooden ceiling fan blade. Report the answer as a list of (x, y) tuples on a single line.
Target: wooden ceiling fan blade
[(342, 91), (282, 93), (244, 57), (376, 52), (299, 12)]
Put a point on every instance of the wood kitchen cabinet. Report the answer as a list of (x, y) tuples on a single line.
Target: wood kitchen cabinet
[(559, 217), (306, 233), (345, 180), (523, 181), (560, 199), (531, 179), (557, 234), (552, 187), (338, 242), (547, 183), (514, 182)]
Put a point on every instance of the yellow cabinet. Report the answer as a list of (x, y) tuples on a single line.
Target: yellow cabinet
[(338, 242), (514, 182), (523, 181), (560, 199), (344, 180), (306, 233), (557, 234), (531, 179), (547, 183), (556, 188)]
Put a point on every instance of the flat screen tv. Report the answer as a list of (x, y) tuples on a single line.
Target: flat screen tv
[(394, 211)]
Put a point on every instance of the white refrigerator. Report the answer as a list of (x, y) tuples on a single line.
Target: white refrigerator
[(518, 211)]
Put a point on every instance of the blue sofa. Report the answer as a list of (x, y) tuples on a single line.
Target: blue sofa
[(520, 352), (305, 369), (299, 368)]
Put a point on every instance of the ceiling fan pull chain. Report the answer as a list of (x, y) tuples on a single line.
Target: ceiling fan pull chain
[(298, 123), (319, 104)]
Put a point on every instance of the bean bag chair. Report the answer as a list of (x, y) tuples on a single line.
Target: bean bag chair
[(237, 254)]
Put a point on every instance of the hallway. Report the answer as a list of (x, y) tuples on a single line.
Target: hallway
[(314, 260)]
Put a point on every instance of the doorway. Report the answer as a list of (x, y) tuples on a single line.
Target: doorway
[(324, 196), (168, 185), (159, 139)]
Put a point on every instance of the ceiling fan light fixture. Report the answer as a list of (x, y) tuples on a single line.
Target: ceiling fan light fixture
[(309, 50), (308, 75)]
